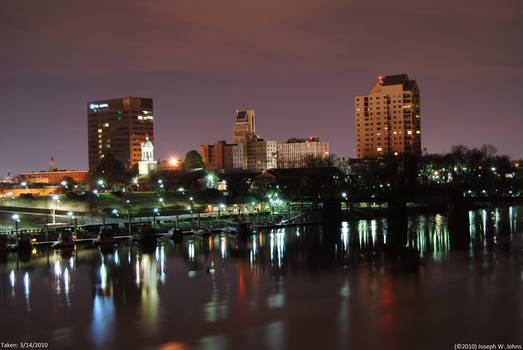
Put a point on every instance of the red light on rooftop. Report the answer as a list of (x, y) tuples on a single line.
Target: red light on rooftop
[(237, 111), (380, 77)]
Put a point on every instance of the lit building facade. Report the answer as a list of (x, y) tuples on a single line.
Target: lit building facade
[(248, 152), (388, 119), (261, 155), (218, 156), (147, 164), (298, 153), (55, 177), (119, 126)]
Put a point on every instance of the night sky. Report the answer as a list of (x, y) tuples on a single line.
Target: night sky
[(299, 64)]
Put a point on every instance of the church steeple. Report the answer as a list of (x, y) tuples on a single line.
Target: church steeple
[(51, 164)]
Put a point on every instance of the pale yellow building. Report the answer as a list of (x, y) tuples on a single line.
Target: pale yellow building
[(388, 118), (298, 153)]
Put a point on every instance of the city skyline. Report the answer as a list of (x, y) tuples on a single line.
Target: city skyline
[(298, 67)]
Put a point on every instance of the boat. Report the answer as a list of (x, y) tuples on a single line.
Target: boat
[(144, 233), (202, 232), (3, 245), (176, 234), (66, 240), (105, 236), (24, 245), (237, 226)]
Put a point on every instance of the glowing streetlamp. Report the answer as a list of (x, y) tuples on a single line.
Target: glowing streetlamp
[(155, 213), (16, 218)]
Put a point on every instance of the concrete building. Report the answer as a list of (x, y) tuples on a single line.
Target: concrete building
[(298, 153), (244, 129), (218, 156), (248, 152), (119, 126), (54, 177), (261, 155), (388, 118)]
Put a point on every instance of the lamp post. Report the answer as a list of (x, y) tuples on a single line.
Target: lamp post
[(155, 213), (55, 198), (128, 203), (72, 216), (16, 218)]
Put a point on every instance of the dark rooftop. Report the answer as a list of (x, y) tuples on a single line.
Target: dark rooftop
[(399, 79), (395, 79)]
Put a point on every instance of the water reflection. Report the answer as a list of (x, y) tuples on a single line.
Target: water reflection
[(196, 291)]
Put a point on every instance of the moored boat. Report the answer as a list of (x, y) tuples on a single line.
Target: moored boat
[(144, 233), (3, 245), (24, 245), (105, 236), (240, 227), (66, 240)]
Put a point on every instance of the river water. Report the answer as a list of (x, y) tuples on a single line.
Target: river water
[(301, 288)]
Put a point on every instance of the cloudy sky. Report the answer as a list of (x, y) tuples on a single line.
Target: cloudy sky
[(297, 63)]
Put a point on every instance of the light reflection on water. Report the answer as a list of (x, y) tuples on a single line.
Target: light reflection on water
[(274, 289)]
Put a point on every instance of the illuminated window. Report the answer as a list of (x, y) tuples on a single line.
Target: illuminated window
[(99, 130), (106, 125)]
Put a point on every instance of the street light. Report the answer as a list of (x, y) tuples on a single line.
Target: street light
[(55, 199), (155, 213), (72, 216), (16, 218)]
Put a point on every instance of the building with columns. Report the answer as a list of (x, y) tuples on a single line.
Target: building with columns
[(147, 164)]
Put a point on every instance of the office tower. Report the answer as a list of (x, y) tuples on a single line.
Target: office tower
[(244, 132), (244, 129), (388, 119), (119, 126), (299, 153), (248, 152)]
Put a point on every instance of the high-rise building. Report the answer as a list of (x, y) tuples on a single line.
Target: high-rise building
[(248, 152), (244, 129), (388, 118), (119, 126), (298, 153)]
